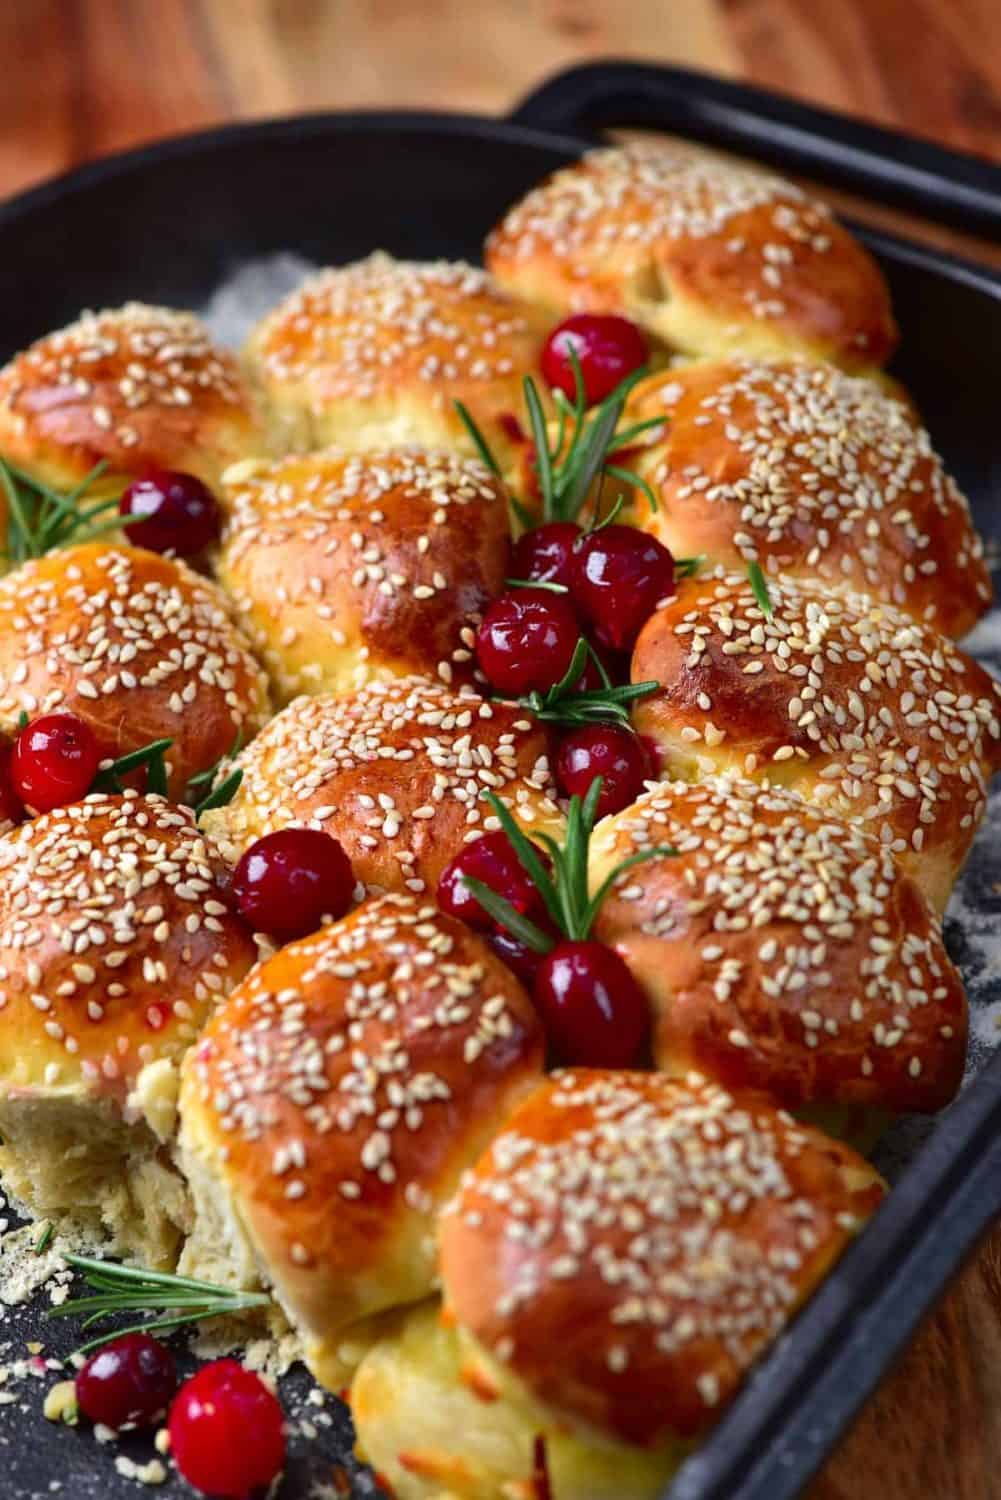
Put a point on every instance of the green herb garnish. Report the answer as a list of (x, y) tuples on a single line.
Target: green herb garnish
[(127, 1289), (584, 443), (604, 705), (760, 589), (108, 778), (564, 891), (42, 518), (223, 794)]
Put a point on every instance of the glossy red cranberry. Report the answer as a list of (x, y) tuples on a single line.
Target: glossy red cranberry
[(544, 555), (594, 1012), (170, 512), (129, 1381), (608, 347), (526, 641), (619, 576), (610, 751), (287, 882), (522, 960), (492, 860), (54, 761), (11, 806), (227, 1431)]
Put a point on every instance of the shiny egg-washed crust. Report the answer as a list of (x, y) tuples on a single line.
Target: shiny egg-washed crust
[(140, 387), (115, 944), (337, 1096), (137, 645), (630, 1243), (810, 473), (709, 255), (782, 949), (396, 772), (376, 353), (349, 568), (851, 703)]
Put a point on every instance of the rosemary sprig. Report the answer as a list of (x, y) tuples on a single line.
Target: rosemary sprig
[(687, 567), (604, 705), (759, 587), (42, 518), (45, 1238), (565, 891), (152, 756), (584, 443), (120, 1288), (223, 794)]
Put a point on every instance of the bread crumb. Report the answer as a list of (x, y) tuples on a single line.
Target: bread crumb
[(60, 1403)]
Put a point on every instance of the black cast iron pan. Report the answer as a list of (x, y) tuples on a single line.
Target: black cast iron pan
[(170, 222)]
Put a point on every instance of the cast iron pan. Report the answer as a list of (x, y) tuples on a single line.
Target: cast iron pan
[(170, 222)]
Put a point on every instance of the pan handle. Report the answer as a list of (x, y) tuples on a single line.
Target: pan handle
[(948, 187)]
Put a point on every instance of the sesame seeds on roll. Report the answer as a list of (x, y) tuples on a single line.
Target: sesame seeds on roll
[(346, 568), (812, 474), (137, 645), (782, 948), (376, 353), (709, 255), (138, 386), (396, 772), (332, 1103), (115, 946), (612, 1266), (849, 702)]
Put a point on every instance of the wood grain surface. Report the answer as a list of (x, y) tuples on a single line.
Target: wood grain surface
[(86, 77)]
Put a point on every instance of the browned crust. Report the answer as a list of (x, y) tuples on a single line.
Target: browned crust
[(782, 949), (630, 1242)]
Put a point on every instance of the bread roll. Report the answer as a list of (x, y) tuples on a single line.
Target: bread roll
[(137, 386), (137, 645), (333, 1101), (396, 772), (351, 568), (849, 702), (613, 1265), (115, 945), (782, 949), (812, 474), (709, 255), (376, 353)]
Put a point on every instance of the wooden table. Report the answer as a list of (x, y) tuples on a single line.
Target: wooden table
[(85, 77)]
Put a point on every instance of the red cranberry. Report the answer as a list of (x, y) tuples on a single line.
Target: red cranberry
[(172, 512), (130, 1380), (610, 751), (54, 761), (526, 641), (492, 860), (594, 1012), (544, 554), (226, 1431), (619, 576), (11, 806), (522, 960), (287, 882), (608, 347)]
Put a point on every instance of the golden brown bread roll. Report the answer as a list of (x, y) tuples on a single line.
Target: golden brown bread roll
[(140, 387), (813, 473), (375, 354), (349, 568), (137, 645), (396, 772), (783, 949), (849, 702), (617, 1259), (332, 1103), (115, 945), (709, 255)]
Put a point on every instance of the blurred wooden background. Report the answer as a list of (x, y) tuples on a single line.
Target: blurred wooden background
[(85, 77)]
